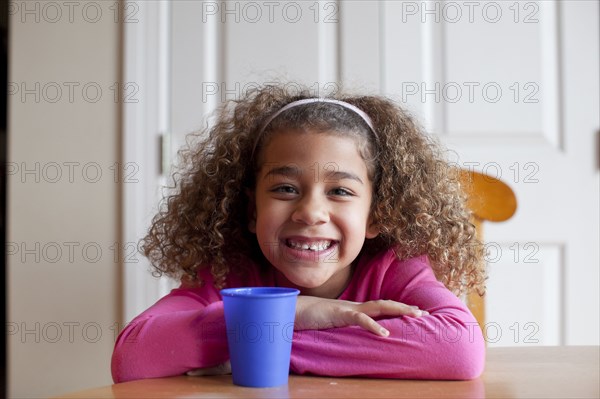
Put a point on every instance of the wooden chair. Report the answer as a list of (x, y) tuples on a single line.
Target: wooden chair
[(490, 200)]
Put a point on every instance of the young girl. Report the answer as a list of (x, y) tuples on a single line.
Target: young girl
[(346, 200)]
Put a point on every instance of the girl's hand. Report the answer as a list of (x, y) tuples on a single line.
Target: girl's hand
[(223, 368), (314, 313)]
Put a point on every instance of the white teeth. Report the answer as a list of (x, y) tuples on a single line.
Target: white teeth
[(314, 246)]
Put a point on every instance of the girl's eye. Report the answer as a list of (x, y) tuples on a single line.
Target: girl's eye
[(341, 192), (284, 190)]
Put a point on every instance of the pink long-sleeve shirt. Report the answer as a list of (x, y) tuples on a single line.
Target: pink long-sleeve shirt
[(185, 330)]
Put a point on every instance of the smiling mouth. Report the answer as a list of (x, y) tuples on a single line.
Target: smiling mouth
[(319, 245)]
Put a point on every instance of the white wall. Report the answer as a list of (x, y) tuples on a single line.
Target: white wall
[(62, 304)]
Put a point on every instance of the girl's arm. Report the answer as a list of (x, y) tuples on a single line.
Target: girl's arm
[(185, 330), (447, 343)]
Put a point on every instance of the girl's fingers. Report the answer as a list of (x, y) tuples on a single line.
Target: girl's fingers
[(312, 312), (390, 308), (361, 319), (362, 316)]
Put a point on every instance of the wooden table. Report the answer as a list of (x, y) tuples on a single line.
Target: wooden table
[(535, 372)]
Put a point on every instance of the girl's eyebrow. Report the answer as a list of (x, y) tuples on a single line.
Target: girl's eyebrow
[(294, 171), (286, 171), (341, 175)]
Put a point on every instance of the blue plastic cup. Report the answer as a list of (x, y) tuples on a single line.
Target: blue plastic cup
[(260, 326)]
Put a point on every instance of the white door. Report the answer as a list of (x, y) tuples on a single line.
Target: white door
[(511, 88)]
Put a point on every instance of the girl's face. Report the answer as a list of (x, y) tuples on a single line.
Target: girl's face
[(311, 210)]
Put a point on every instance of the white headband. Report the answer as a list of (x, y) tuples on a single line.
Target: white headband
[(344, 104)]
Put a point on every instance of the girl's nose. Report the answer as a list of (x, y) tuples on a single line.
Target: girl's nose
[(311, 211)]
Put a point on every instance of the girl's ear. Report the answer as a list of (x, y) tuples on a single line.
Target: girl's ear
[(372, 229), (251, 211)]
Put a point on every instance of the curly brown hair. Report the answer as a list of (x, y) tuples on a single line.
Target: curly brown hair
[(418, 203)]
